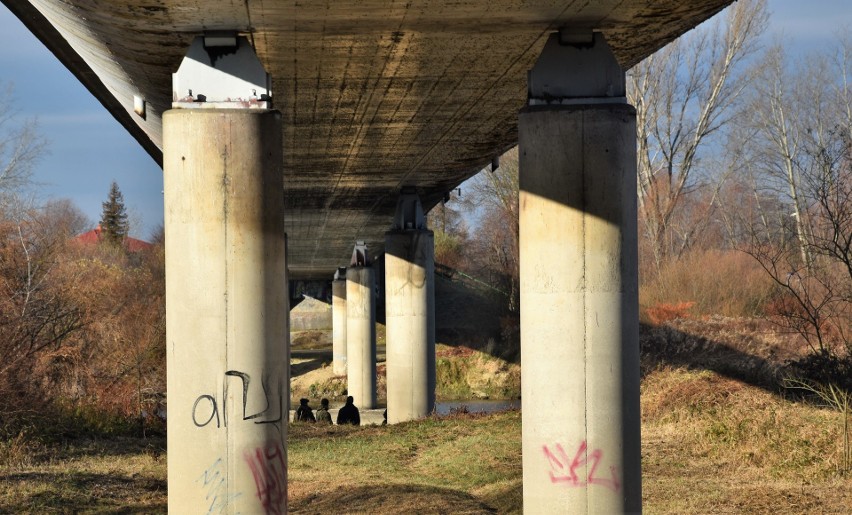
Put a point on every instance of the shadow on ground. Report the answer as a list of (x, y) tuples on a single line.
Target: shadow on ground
[(732, 348), (76, 448), (81, 492), (392, 498), (309, 365)]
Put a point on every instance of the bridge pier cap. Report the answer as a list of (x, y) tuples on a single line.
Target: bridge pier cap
[(579, 282), (576, 67), (221, 70), (226, 286)]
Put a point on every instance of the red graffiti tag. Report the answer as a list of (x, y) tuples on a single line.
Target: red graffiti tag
[(269, 468), (564, 469)]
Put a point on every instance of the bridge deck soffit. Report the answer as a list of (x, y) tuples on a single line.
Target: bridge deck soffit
[(376, 94)]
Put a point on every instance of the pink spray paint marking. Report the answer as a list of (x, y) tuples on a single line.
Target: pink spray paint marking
[(269, 468), (564, 469)]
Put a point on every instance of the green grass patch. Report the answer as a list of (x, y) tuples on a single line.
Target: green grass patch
[(468, 463)]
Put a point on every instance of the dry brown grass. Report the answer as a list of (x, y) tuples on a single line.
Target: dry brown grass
[(464, 373), (125, 475), (715, 445), (712, 444)]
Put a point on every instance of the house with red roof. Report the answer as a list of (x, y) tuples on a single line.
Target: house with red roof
[(130, 244)]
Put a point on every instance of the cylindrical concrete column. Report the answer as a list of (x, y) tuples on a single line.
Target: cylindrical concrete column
[(227, 311), (361, 335), (338, 326), (410, 323), (579, 309)]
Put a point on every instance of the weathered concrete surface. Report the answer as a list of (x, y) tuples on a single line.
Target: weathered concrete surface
[(311, 315), (375, 94), (226, 301), (338, 337), (579, 310), (361, 335), (410, 323)]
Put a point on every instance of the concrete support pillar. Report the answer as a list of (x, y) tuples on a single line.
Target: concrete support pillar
[(338, 323), (227, 311), (410, 313), (361, 332), (579, 301)]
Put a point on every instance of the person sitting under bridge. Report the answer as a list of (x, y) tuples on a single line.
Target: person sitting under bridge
[(304, 413), (323, 416), (349, 414)]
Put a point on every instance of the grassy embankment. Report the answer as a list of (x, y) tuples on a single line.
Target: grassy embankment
[(461, 374)]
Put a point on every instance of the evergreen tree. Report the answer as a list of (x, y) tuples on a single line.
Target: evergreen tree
[(114, 224)]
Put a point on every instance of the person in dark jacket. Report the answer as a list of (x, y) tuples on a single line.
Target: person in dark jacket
[(323, 416), (304, 413), (348, 414)]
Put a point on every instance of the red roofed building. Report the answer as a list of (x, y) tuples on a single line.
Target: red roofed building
[(130, 244)]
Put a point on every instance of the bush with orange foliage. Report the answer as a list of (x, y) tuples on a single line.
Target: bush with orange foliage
[(717, 282), (120, 370), (82, 328), (36, 317), (662, 313)]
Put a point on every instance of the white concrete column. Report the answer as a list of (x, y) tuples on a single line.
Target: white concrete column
[(338, 323), (361, 335), (410, 315), (579, 307), (227, 311)]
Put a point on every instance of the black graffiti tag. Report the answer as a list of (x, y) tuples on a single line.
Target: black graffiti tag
[(207, 403)]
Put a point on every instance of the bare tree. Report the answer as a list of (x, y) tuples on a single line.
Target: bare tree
[(445, 220), (494, 244), (20, 148), (802, 155), (780, 124), (684, 95), (61, 219), (36, 315)]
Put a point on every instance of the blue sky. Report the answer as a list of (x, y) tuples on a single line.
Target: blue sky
[(88, 149)]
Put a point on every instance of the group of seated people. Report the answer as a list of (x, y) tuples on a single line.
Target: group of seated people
[(348, 414)]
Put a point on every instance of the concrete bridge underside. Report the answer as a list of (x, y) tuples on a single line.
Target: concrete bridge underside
[(375, 94)]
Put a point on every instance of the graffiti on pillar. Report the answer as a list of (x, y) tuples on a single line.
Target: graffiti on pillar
[(268, 466), (564, 469), (202, 404), (206, 409), (216, 489)]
